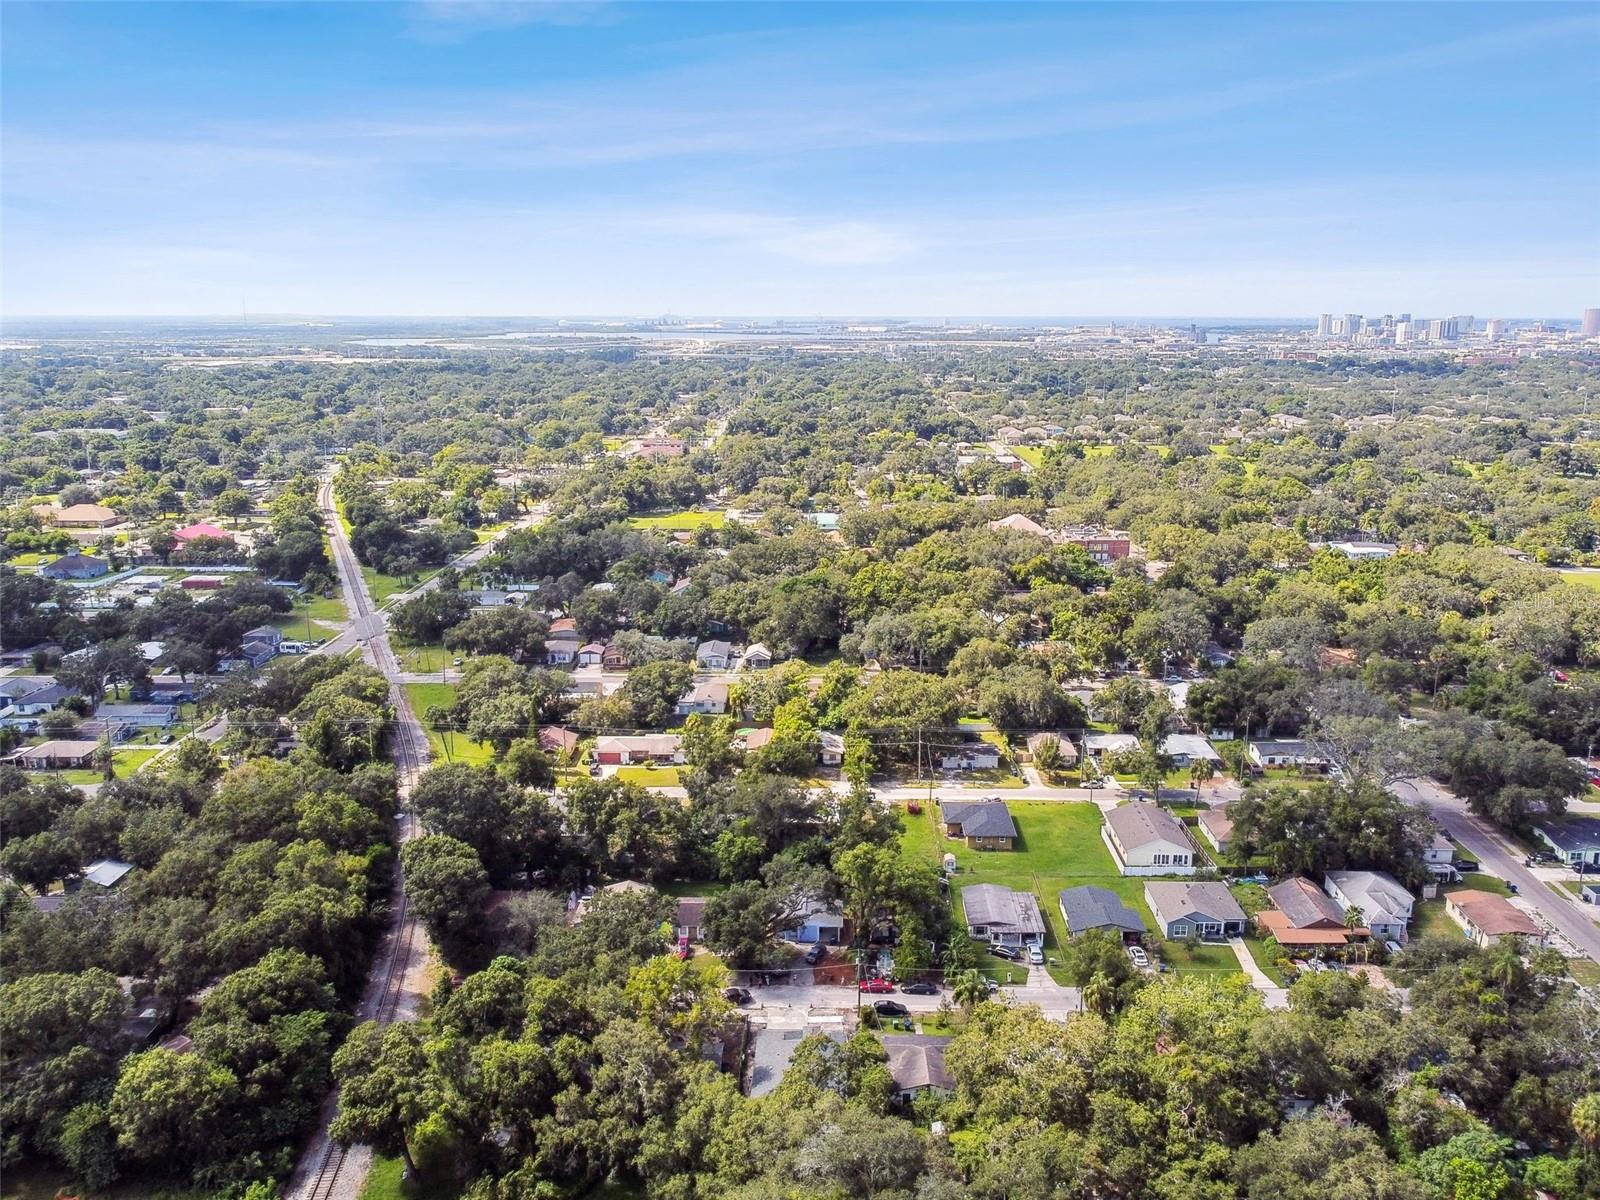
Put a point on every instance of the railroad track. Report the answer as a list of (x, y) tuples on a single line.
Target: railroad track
[(409, 749)]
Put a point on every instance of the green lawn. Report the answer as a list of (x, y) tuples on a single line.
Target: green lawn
[(650, 776), (688, 518), (326, 613), (1258, 950), (1059, 846), (692, 887), (1032, 455), (452, 747), (1207, 958), (1429, 919), (381, 587), (1478, 881), (1584, 971), (423, 658), (1587, 579), (385, 1181)]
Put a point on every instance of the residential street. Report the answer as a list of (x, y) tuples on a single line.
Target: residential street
[(1485, 844)]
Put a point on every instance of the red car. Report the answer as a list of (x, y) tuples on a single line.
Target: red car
[(877, 987)]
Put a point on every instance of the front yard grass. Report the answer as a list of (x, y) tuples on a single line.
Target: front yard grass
[(1429, 919), (423, 660)]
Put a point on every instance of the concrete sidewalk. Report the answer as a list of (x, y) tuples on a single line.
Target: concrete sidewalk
[(1275, 996)]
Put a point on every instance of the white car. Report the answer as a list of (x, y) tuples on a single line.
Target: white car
[(1139, 957), (1036, 956)]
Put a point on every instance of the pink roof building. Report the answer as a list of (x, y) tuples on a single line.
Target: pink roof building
[(201, 529)]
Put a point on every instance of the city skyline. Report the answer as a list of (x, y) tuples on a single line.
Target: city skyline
[(485, 159)]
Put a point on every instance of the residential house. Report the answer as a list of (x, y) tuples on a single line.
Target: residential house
[(1187, 748), (1069, 750), (1216, 827), (106, 872), (613, 659), (1385, 905), (558, 740), (916, 1065), (756, 658), (708, 698), (265, 634), (969, 755), (62, 754), (75, 566), (690, 917), (1364, 551), (713, 655), (492, 597), (638, 748), (757, 739), (1304, 918), (257, 654), (565, 629), (1439, 856), (830, 748), (1285, 752), (141, 716), (559, 652), (84, 516), (591, 655), (1145, 839), (38, 700), (202, 529), (1099, 746), (22, 656), (1487, 918), (1002, 917), (982, 824), (1575, 840), (1205, 910), (819, 921), (658, 447), (1085, 908), (14, 689)]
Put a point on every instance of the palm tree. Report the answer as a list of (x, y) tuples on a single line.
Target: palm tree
[(969, 989), (1100, 995), (1201, 770), (1354, 919), (1586, 1120)]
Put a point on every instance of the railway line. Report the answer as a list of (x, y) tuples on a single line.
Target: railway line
[(328, 1171)]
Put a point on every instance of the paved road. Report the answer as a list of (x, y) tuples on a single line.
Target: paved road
[(785, 1004), (398, 979), (1484, 843)]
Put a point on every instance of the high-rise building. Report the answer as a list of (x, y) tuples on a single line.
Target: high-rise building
[(1591, 322), (1494, 328), (1464, 325), (1324, 324), (1352, 324), (1442, 330), (1402, 332)]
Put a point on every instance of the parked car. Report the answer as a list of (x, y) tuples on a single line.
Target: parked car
[(876, 986), (738, 995), (816, 954), (920, 987), (1010, 953), (890, 1008), (1139, 957), (1036, 956), (1465, 864)]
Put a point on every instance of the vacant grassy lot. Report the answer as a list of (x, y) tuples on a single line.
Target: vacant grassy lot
[(688, 518), (1059, 847), (1032, 455), (1429, 919), (325, 613), (445, 747), (1588, 579), (650, 776), (423, 658)]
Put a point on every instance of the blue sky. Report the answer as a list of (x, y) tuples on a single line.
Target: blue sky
[(785, 159)]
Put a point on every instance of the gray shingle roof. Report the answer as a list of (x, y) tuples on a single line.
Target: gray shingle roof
[(1177, 901), (996, 906), (1138, 824), (979, 818), (1097, 908), (1304, 903)]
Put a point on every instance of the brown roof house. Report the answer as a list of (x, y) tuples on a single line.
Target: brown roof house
[(1304, 917), (982, 824), (1487, 918)]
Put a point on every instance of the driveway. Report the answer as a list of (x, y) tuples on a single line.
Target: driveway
[(1275, 996)]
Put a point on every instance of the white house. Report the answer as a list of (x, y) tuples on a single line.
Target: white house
[(830, 748), (1187, 748), (708, 698), (1145, 839), (1385, 905), (969, 756), (820, 921), (756, 658), (713, 655), (1098, 745), (144, 716), (1285, 752)]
